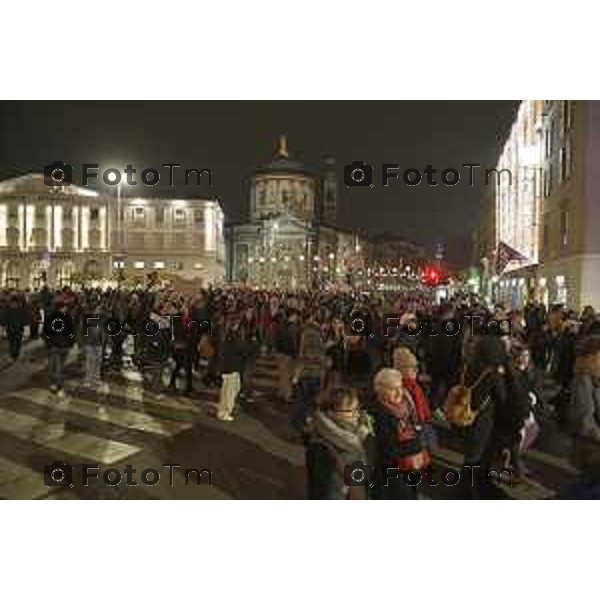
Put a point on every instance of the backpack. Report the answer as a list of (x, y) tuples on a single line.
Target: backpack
[(458, 407)]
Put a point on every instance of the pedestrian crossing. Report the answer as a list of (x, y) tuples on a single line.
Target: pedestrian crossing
[(113, 415), (53, 437), (80, 427), (49, 432)]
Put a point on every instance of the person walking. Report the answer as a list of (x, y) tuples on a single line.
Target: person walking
[(92, 339), (310, 372), (232, 359), (584, 410), (59, 336), (16, 318)]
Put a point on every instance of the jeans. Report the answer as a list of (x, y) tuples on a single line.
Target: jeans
[(93, 364), (56, 364)]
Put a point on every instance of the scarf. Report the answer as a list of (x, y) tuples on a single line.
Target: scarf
[(421, 404), (405, 412), (339, 435)]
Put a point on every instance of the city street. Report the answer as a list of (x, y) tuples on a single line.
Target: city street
[(254, 457)]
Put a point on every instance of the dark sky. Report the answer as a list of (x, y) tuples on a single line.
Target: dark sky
[(232, 137)]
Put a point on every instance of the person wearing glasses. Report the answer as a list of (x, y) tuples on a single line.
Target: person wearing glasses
[(335, 444)]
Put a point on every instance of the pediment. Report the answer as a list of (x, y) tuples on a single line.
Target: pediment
[(32, 184)]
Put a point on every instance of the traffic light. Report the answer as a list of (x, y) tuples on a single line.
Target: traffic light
[(432, 277)]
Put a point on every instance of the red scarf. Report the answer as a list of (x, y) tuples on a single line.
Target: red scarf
[(404, 412), (421, 404)]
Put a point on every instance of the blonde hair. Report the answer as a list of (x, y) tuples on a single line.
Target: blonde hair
[(386, 379), (403, 358)]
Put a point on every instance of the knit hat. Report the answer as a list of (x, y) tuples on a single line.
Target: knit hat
[(403, 358)]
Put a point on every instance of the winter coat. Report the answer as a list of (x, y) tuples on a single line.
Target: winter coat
[(333, 446)]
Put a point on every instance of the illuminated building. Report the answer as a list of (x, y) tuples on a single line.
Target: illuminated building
[(63, 235), (518, 194), (291, 239), (550, 213)]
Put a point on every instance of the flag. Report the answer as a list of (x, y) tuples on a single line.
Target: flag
[(505, 254)]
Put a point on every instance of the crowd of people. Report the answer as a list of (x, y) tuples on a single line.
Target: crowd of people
[(368, 376)]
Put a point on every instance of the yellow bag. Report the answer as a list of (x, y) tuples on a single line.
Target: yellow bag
[(457, 408)]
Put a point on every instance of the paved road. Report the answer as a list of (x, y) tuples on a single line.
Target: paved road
[(255, 456)]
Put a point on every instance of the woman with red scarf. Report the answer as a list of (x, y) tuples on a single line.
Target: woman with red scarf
[(401, 453), (406, 362)]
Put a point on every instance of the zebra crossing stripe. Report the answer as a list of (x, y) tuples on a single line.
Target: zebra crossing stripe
[(138, 394), (20, 483), (53, 437), (121, 417)]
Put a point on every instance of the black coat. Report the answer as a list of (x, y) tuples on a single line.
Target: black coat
[(233, 355), (325, 480)]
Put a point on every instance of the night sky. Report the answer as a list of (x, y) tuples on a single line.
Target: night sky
[(231, 138)]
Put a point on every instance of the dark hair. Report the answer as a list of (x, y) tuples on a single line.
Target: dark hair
[(339, 398)]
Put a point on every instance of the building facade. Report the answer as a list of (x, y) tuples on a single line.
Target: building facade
[(570, 267), (291, 239), (519, 204), (61, 235), (548, 215)]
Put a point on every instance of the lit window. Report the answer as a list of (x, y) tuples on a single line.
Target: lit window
[(548, 181), (118, 264), (139, 264), (564, 226), (567, 114), (159, 264), (198, 266)]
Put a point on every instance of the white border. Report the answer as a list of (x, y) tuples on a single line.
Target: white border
[(299, 50)]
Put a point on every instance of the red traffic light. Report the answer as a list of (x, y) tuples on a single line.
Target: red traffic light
[(432, 276)]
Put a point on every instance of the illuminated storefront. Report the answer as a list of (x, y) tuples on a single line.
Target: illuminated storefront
[(519, 195)]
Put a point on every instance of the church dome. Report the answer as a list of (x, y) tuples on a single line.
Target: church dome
[(282, 163)]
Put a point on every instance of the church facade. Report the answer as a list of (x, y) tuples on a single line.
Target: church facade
[(291, 239)]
